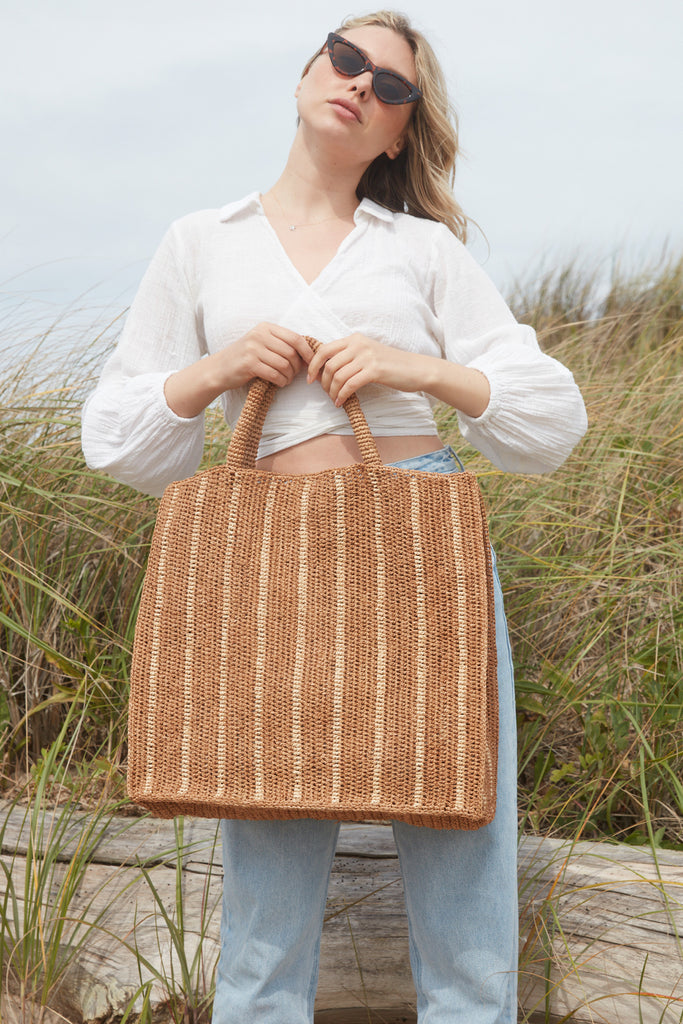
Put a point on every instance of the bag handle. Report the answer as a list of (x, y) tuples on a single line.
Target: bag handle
[(249, 427)]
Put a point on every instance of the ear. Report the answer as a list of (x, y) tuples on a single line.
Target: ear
[(397, 147), (301, 80)]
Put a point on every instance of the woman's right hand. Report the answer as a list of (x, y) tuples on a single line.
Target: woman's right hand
[(267, 350)]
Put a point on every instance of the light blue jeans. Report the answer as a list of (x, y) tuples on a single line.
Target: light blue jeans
[(460, 893)]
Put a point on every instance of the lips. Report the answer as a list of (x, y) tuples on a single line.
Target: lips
[(347, 105)]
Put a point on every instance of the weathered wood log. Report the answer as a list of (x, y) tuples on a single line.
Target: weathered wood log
[(601, 923)]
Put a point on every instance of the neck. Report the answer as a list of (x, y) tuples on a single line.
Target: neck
[(314, 185)]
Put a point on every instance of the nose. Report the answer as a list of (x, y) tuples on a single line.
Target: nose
[(362, 84)]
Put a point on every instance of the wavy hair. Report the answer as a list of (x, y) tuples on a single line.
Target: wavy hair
[(420, 180)]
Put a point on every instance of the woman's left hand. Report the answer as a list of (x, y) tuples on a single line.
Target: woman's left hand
[(347, 364)]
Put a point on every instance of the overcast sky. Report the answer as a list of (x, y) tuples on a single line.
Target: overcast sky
[(116, 118)]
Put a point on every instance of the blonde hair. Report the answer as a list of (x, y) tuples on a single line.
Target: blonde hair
[(420, 179)]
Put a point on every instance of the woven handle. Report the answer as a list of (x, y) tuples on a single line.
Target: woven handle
[(249, 427)]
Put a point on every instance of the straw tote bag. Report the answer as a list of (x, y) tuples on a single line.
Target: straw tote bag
[(317, 645)]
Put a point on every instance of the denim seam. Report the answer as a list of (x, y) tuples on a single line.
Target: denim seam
[(507, 632), (415, 958), (312, 988)]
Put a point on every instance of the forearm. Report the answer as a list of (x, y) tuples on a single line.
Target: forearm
[(347, 364), (191, 390), (460, 387), (269, 351)]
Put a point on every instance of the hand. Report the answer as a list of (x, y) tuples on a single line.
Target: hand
[(347, 364), (269, 351)]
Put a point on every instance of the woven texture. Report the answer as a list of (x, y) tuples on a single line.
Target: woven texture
[(317, 645)]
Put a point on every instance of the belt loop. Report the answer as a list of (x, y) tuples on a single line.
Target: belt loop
[(456, 457)]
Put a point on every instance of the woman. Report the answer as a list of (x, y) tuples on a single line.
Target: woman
[(358, 243)]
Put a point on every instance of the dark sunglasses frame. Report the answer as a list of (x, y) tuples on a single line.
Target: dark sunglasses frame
[(367, 65)]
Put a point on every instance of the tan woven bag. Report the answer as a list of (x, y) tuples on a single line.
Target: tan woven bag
[(318, 645)]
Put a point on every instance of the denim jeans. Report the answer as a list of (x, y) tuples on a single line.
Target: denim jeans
[(460, 894)]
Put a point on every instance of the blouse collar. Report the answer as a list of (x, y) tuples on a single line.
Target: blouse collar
[(252, 204)]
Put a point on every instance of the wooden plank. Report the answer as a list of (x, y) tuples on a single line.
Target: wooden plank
[(364, 1015), (129, 840), (16, 1011), (611, 931), (365, 925), (122, 840), (556, 850), (602, 919)]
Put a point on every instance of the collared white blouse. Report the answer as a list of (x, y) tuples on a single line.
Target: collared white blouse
[(402, 280)]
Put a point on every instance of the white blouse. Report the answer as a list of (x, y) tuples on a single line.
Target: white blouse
[(402, 280)]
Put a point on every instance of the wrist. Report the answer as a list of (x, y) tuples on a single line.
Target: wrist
[(413, 371), (429, 374), (189, 391), (462, 387)]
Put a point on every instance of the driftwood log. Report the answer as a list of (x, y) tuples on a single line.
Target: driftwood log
[(601, 924)]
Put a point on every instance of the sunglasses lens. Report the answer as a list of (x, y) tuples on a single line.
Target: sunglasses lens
[(391, 89), (345, 59)]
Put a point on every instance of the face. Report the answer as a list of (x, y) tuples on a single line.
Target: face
[(346, 110)]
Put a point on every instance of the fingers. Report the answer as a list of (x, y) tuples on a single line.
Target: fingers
[(323, 358), (296, 341), (343, 379), (341, 389), (345, 365), (273, 353)]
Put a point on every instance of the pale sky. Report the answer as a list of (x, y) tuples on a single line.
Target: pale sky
[(117, 118)]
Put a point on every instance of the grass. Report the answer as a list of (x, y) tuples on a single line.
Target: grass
[(58, 910), (42, 935), (590, 560)]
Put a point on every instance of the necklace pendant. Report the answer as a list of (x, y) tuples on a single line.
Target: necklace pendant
[(292, 227)]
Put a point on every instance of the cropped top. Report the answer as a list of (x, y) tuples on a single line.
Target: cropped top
[(402, 280)]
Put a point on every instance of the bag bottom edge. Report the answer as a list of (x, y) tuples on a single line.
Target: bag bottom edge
[(172, 807)]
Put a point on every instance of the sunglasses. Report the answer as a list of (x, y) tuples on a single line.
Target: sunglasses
[(348, 60)]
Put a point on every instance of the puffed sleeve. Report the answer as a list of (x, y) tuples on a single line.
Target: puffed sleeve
[(536, 414), (127, 427)]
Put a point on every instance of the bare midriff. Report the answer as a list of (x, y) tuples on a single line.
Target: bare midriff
[(329, 450)]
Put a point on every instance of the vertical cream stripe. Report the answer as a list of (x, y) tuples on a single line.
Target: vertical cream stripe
[(190, 638), (421, 653), (340, 636), (461, 767), (227, 627), (381, 685), (156, 645), (261, 632), (299, 657)]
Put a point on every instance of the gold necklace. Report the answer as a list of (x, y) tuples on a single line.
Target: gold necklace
[(312, 224)]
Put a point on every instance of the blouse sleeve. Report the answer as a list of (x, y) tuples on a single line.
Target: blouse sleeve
[(127, 427), (536, 414)]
